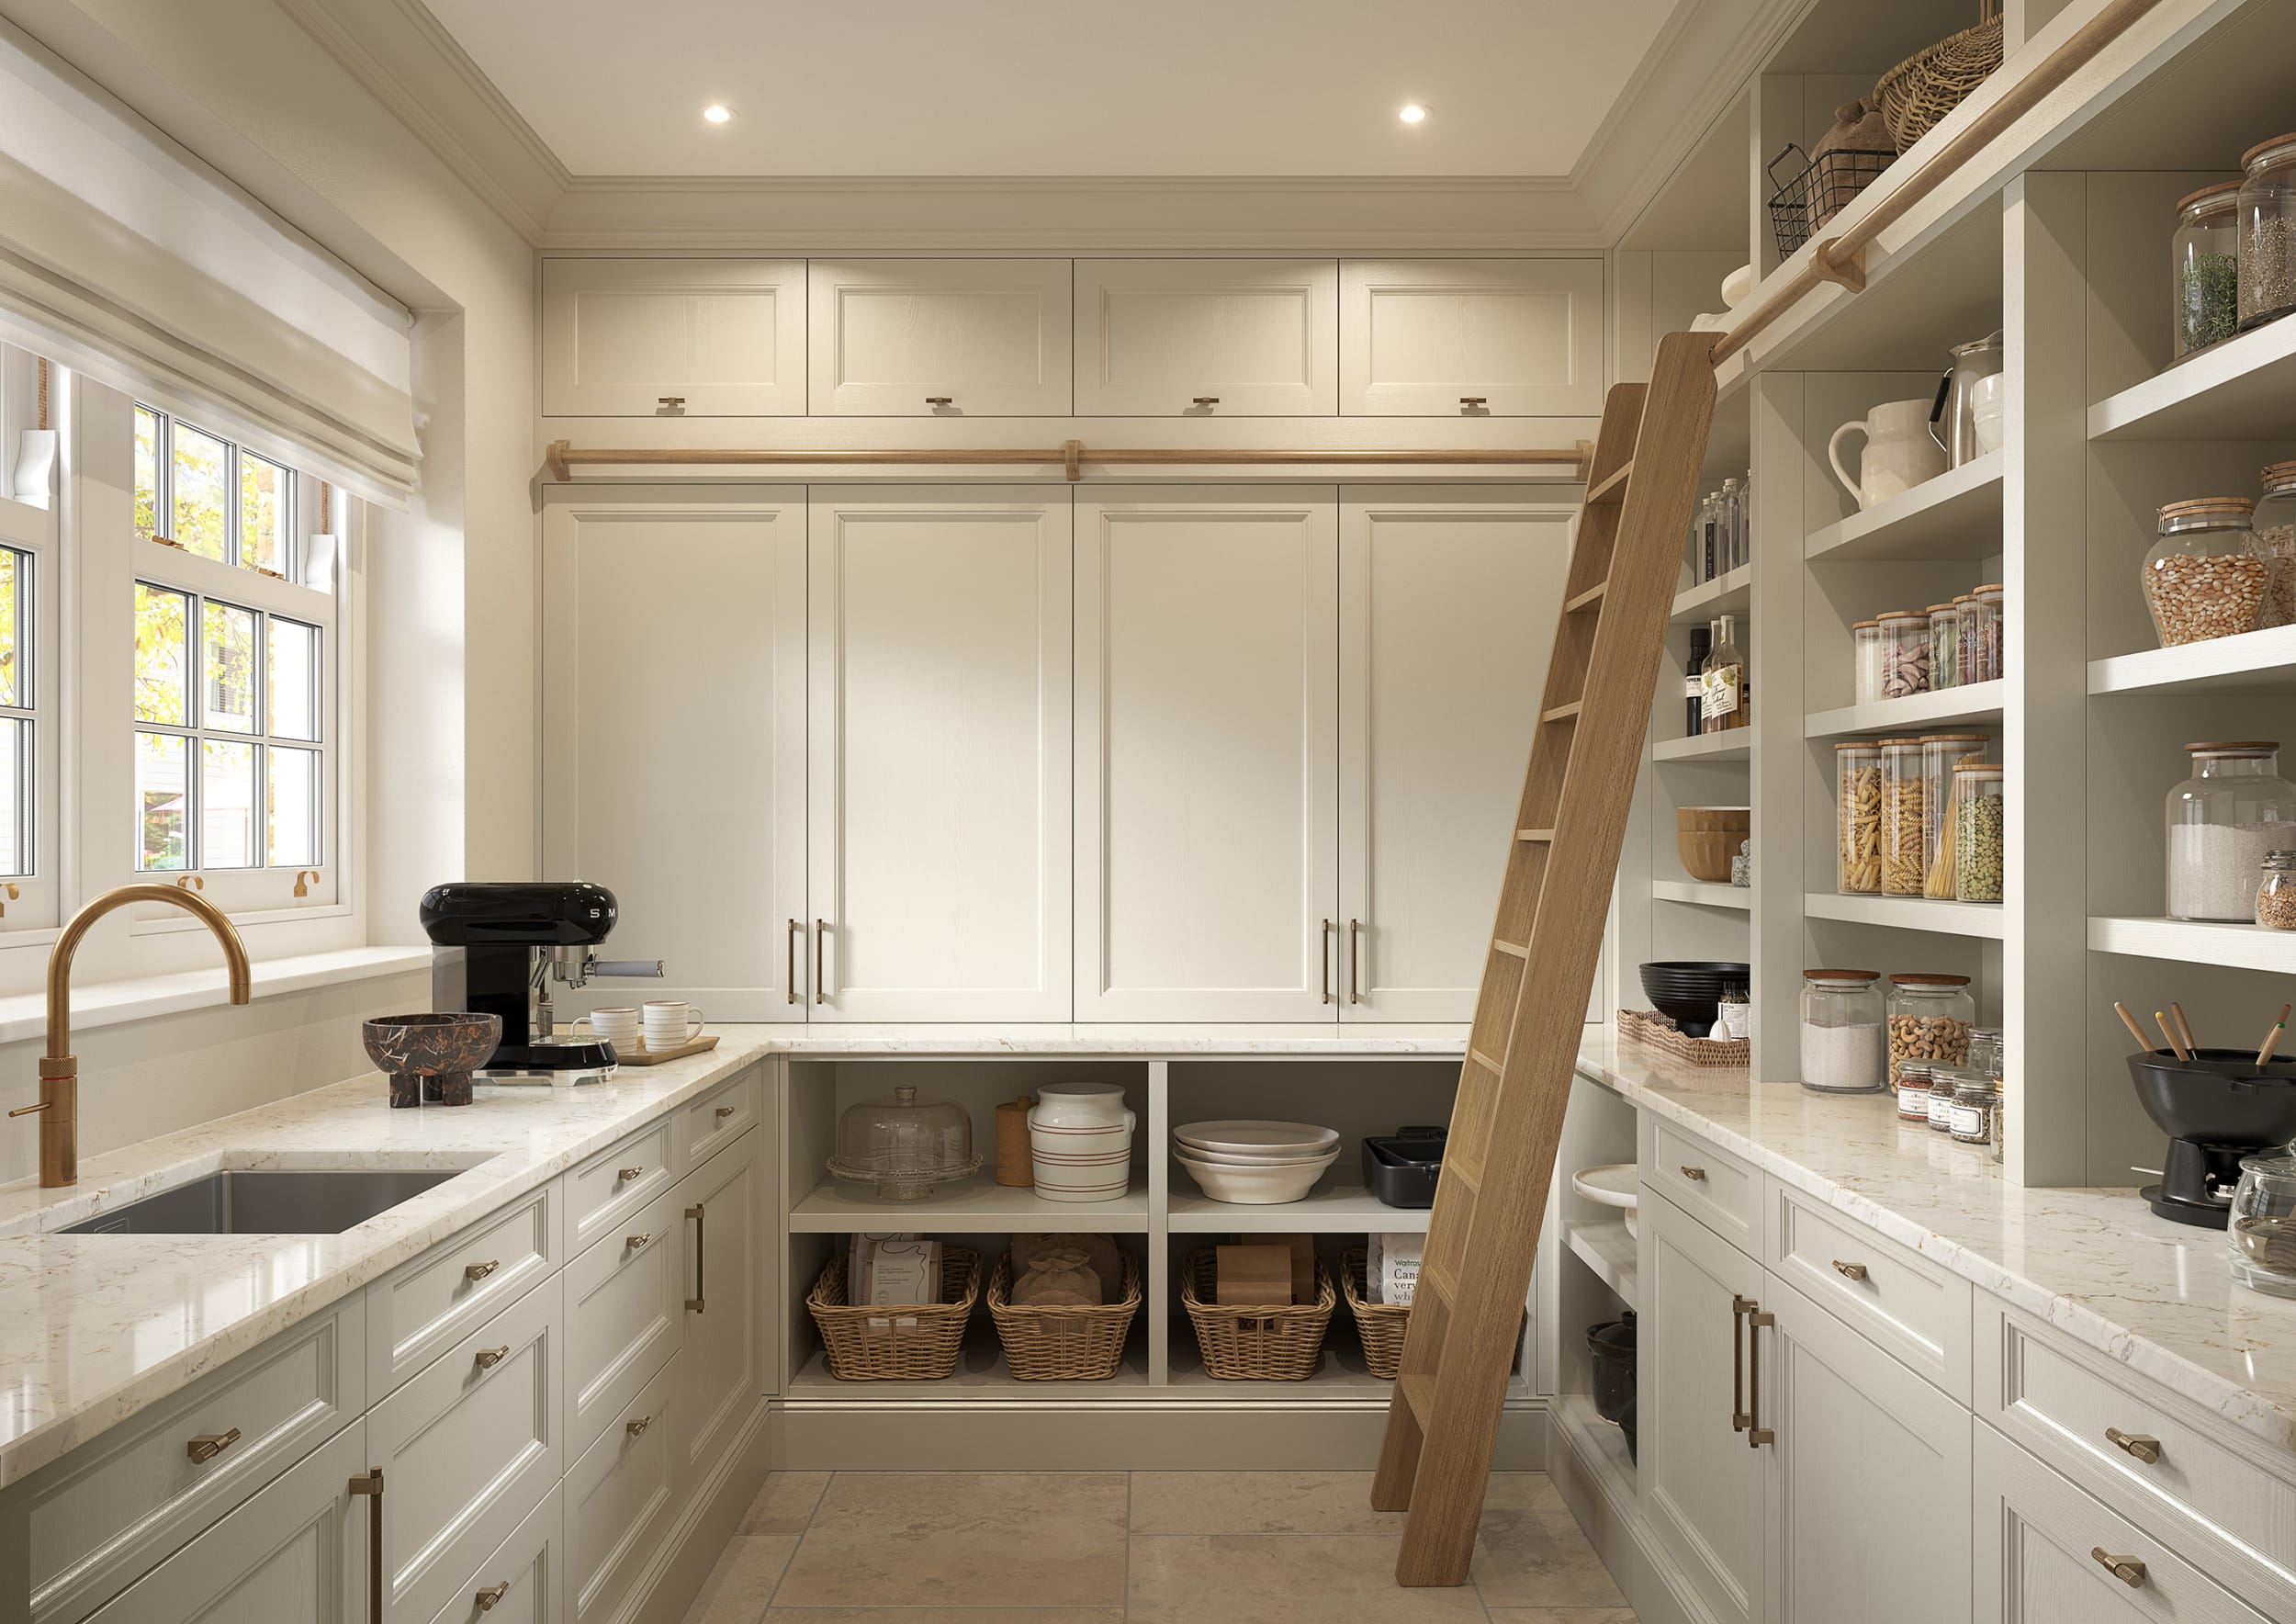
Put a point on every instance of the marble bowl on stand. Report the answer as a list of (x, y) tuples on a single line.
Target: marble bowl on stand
[(431, 1056)]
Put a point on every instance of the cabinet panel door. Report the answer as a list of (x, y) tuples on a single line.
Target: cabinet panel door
[(940, 748), (721, 1368), (1448, 607), (673, 718), (718, 337), (1703, 1491), (1207, 743), (1261, 336), (1470, 337), (891, 337), (1861, 1441)]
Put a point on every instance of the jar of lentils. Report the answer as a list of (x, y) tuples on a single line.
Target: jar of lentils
[(2267, 231), (1979, 825), (2204, 578), (2204, 267), (1930, 1018), (2275, 539)]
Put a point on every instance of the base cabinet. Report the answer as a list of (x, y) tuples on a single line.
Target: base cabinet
[(721, 1362), (524, 1581)]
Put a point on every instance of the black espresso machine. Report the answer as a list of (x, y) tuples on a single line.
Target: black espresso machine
[(517, 939)]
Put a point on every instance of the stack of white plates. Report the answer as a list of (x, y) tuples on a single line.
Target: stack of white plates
[(1254, 1163)]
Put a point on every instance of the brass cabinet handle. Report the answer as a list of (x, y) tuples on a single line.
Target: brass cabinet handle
[(1325, 940), (726, 1111), (1207, 400), (370, 1483), (698, 1302), (491, 1356), (1756, 1322), (1695, 1175), (637, 1243), (939, 399), (208, 1445), (1355, 961), (2127, 1569), (623, 1175), (672, 401), (2143, 1446), (638, 1428), (1850, 1271), (1740, 1308), (487, 1597), (479, 1272), (1471, 402), (820, 934), (796, 930)]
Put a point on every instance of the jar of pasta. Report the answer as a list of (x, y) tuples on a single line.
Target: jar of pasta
[(1904, 653), (1905, 818), (1858, 803)]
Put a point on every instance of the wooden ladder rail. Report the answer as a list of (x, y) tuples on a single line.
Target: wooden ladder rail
[(1554, 902)]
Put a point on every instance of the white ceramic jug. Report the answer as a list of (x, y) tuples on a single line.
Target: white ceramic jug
[(1080, 1140), (1899, 452)]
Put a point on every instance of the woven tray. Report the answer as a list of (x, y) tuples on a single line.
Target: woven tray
[(1381, 1325), (1653, 1030), (1061, 1343), (1255, 1344), (897, 1343)]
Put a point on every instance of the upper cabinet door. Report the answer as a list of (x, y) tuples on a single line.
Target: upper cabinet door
[(1206, 744), (940, 337), (1206, 338), (674, 337), (939, 752), (1470, 337), (673, 719), (1448, 601)]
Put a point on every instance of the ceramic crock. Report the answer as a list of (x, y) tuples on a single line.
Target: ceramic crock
[(1080, 1140)]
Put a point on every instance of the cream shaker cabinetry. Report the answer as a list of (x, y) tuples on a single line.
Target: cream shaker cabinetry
[(1206, 744), (1470, 337), (938, 743), (673, 338), (673, 654), (938, 337), (1206, 338), (730, 1278), (1449, 599)]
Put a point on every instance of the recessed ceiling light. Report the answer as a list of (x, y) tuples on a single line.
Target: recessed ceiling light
[(719, 113), (1412, 113)]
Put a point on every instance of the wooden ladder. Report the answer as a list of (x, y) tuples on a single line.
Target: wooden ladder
[(1443, 1421)]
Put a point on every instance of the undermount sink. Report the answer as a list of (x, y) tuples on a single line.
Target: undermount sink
[(262, 1202)]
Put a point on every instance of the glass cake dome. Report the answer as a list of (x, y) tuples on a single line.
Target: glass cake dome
[(905, 1145)]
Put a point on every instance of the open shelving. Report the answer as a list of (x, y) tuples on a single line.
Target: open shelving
[(2194, 941), (1604, 1247), (2223, 392), (1710, 600), (1979, 702), (2255, 662), (1910, 913), (1704, 893), (1729, 746), (1955, 516)]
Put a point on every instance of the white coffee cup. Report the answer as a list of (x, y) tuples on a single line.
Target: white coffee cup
[(620, 1026), (1899, 452), (671, 1023)]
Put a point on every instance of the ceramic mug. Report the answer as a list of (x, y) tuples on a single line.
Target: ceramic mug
[(671, 1023), (619, 1026), (1899, 452)]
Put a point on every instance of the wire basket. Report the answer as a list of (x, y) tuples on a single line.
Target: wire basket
[(1919, 91), (1819, 189), (1381, 1326), (1063, 1343), (1257, 1344), (897, 1343)]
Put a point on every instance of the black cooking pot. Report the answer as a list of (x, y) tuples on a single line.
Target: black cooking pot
[(2218, 1097), (1612, 1347)]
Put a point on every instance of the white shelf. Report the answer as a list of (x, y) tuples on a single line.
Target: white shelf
[(2242, 388), (1710, 600), (2241, 947), (1331, 1208), (1704, 895), (981, 1374), (1731, 745), (2254, 662), (1955, 516), (1604, 1247), (1910, 913), (1979, 702), (1598, 1442), (979, 1205)]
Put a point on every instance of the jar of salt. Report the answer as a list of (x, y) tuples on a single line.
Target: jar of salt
[(1845, 1046)]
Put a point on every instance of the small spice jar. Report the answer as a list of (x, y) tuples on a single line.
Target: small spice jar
[(2203, 255), (1980, 823), (1944, 645), (1976, 1109), (1930, 1018), (2273, 538), (1942, 754), (1845, 1050), (1966, 638), (1865, 655), (1945, 1081), (2204, 578), (2275, 892), (1858, 816), (2267, 231), (2223, 822), (1913, 1091), (1905, 818), (1904, 653)]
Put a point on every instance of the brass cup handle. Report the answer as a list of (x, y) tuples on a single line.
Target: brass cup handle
[(2143, 1446), (726, 1111), (491, 1356), (1695, 1175), (637, 1243), (491, 1594), (636, 1429), (479, 1272), (1850, 1271), (208, 1445), (2127, 1569)]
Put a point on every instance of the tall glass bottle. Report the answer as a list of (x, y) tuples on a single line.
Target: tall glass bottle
[(1733, 520), (1728, 701), (1693, 679)]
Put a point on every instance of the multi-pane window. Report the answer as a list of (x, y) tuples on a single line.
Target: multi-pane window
[(17, 845), (201, 492)]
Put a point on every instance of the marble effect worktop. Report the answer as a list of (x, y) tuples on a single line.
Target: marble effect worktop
[(2096, 1264)]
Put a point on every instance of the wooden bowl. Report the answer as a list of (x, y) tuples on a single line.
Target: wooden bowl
[(437, 1050), (1708, 837)]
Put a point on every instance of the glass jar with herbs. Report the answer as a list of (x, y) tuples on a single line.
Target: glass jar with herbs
[(2267, 231), (2223, 822), (1979, 825), (2204, 267), (1945, 1081), (2274, 537), (1905, 818), (2204, 578), (1944, 645), (1976, 1109), (1858, 817)]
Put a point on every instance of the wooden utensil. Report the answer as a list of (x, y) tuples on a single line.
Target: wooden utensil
[(2272, 1038), (2144, 1043), (2184, 1027), (2168, 1031)]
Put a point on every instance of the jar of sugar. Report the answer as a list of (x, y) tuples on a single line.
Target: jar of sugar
[(1845, 1049), (2223, 822)]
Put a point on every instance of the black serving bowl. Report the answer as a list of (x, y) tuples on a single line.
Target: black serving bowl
[(1690, 991), (2219, 1096)]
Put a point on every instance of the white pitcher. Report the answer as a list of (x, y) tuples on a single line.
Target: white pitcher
[(1899, 452)]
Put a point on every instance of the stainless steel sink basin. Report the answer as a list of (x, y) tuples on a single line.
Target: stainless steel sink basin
[(238, 1201)]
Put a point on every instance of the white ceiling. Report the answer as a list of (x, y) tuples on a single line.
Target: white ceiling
[(1078, 88)]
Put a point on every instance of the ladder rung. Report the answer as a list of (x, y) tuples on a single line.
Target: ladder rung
[(1487, 1063), (1542, 836), (1561, 713), (1587, 599), (1419, 1393), (1611, 490), (1516, 947)]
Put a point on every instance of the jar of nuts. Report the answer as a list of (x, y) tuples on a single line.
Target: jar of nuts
[(1904, 653), (1930, 1018), (1905, 818), (2204, 578), (2276, 542), (1858, 812), (2275, 893)]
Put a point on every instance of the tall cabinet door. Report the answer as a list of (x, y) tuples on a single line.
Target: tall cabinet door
[(1448, 606), (674, 715), (939, 338), (940, 751), (1206, 744)]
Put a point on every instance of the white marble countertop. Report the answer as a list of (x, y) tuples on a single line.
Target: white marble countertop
[(2096, 1264), (831, 1039)]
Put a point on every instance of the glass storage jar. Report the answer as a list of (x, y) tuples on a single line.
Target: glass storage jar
[(2273, 538), (1944, 645), (1866, 656), (1992, 631), (2275, 892), (1977, 1108), (1941, 754), (1945, 1081), (1913, 1091), (905, 1145), (1966, 638), (1905, 818), (1930, 1018), (1858, 817), (2203, 275), (1904, 653), (2204, 578), (2263, 1227), (2223, 821), (1980, 826), (2267, 231), (1845, 1050)]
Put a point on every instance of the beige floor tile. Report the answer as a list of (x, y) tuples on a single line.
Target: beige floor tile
[(742, 1583), (946, 1616), (1281, 1579), (974, 1540), (1531, 1553), (785, 1505), (1562, 1615), (1331, 1503)]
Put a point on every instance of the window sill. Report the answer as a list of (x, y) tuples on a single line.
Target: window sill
[(115, 1003)]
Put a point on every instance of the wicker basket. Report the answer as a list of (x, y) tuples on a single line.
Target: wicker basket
[(1656, 1031), (1381, 1325), (1255, 1344), (1919, 91), (897, 1343), (1061, 1343)]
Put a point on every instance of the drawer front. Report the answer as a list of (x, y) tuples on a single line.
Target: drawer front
[(1706, 1181), (621, 1497), (1891, 1294), (467, 1447), (418, 1310), (2207, 1489), (704, 1127), (524, 1581), (624, 1312), (113, 1507), (604, 1192)]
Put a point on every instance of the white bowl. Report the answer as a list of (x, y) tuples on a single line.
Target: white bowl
[(1737, 286), (1252, 1137), (1616, 1184), (1220, 1159), (1252, 1187)]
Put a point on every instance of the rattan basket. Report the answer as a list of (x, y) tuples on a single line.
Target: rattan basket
[(1063, 1344), (1654, 1031), (1381, 1325), (1919, 91), (897, 1343), (1255, 1344)]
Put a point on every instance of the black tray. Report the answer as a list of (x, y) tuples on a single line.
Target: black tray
[(1400, 1169)]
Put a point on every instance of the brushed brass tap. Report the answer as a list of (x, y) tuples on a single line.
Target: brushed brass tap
[(59, 1107)]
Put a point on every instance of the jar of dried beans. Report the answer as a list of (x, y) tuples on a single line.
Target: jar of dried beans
[(2204, 578), (1904, 653), (2204, 267), (1905, 818), (1941, 754), (1944, 647), (1865, 650), (2275, 892), (1930, 1018), (1979, 825), (2275, 538), (1858, 801), (2267, 231)]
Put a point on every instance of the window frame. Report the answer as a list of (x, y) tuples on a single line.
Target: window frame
[(31, 913)]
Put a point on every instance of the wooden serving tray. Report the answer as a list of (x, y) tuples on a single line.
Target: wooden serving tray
[(644, 1056), (1653, 1030)]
